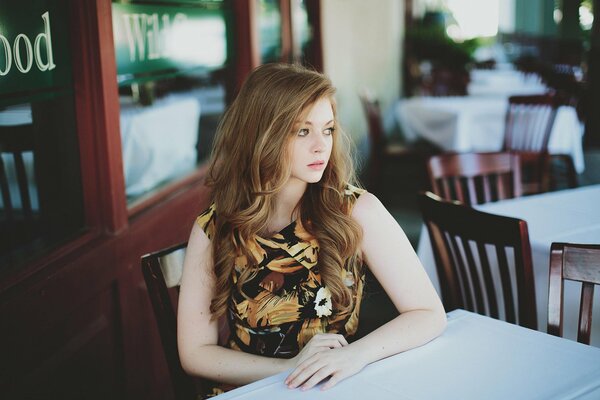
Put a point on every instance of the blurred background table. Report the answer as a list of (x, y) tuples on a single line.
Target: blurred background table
[(159, 141), (565, 216), (503, 83), (475, 358), (476, 123)]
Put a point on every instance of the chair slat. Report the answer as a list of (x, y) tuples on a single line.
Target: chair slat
[(472, 265), (555, 294), (489, 281), (585, 313), (23, 184), (4, 189), (462, 273), (509, 301)]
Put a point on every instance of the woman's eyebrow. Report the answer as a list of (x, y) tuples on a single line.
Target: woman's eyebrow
[(310, 123)]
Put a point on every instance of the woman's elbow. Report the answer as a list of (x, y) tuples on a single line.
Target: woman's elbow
[(438, 321), (186, 361)]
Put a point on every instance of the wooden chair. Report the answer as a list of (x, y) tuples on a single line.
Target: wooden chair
[(20, 218), (381, 150), (475, 178), (575, 262), (528, 125), (15, 140), (476, 253), (162, 271)]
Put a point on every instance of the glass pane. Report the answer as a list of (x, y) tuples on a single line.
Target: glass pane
[(302, 31), (41, 202), (171, 66), (269, 25)]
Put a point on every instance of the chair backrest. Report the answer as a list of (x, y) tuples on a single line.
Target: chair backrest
[(15, 141), (529, 122), (475, 178), (374, 122), (162, 271), (481, 258), (574, 262)]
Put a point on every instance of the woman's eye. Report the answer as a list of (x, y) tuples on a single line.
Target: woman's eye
[(303, 132), (329, 131)]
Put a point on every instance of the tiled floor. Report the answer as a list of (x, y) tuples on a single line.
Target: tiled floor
[(402, 183)]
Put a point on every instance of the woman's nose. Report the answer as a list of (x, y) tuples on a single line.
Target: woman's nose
[(318, 145)]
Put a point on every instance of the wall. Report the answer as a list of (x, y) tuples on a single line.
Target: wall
[(362, 48), (535, 17)]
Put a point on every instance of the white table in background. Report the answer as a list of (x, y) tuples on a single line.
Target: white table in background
[(476, 123), (159, 141), (504, 83), (475, 358), (564, 216)]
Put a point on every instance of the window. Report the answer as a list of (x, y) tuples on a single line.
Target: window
[(41, 202), (171, 70)]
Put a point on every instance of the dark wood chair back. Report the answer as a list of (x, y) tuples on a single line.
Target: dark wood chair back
[(15, 141), (475, 178), (529, 122), (574, 262), (162, 272), (375, 129), (528, 126), (473, 250)]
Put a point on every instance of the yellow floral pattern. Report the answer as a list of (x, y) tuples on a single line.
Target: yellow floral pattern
[(285, 304)]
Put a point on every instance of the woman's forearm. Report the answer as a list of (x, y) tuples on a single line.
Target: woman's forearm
[(406, 331), (231, 366)]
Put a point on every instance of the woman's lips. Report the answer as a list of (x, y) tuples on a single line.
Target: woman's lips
[(317, 165)]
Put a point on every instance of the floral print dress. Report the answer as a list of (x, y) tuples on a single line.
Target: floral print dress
[(285, 303)]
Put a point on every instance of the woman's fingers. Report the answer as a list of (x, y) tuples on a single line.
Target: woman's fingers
[(304, 371), (337, 364), (316, 377)]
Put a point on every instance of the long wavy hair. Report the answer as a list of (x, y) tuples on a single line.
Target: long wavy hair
[(250, 164)]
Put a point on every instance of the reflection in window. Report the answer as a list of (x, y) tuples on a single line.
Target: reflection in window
[(167, 127), (171, 67), (41, 201)]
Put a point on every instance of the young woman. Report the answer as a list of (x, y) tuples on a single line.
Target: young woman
[(280, 252)]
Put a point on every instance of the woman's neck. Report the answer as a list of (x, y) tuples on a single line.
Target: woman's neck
[(286, 202)]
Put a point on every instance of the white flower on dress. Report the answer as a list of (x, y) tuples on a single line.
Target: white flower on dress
[(323, 302)]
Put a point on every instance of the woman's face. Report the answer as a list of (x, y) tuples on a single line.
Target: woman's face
[(313, 141)]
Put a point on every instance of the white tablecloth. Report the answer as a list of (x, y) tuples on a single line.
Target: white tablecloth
[(159, 141), (475, 358), (564, 216), (476, 123), (506, 82)]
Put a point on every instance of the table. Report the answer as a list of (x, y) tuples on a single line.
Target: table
[(475, 358), (159, 141), (504, 82), (565, 216), (476, 123)]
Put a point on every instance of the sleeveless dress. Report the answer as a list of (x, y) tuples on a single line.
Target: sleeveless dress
[(285, 303)]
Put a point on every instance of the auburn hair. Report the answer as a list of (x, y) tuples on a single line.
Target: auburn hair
[(250, 164)]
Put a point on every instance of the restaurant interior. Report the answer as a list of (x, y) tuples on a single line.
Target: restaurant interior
[(463, 115)]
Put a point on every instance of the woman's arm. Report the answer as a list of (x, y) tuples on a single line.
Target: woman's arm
[(391, 258), (197, 334)]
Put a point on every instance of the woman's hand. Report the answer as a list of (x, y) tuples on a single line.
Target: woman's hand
[(337, 364), (325, 355), (319, 342)]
